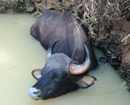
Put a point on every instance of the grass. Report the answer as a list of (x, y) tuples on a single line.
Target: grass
[(96, 12)]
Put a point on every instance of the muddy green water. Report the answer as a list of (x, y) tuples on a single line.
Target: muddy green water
[(20, 54)]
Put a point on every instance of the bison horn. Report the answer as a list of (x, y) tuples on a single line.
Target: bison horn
[(49, 51), (75, 69)]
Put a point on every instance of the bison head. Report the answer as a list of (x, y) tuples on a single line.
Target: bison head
[(59, 76)]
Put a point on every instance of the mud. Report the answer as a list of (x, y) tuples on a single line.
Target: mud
[(36, 7), (118, 52), (108, 31)]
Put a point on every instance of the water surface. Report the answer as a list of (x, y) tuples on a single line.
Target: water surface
[(20, 54)]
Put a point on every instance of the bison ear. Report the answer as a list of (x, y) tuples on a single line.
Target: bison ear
[(36, 73), (86, 81)]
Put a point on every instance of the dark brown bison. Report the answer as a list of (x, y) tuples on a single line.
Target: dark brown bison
[(69, 58)]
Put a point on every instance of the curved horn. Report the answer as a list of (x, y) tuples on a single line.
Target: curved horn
[(49, 51), (79, 69)]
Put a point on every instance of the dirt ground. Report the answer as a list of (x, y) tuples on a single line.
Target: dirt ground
[(108, 22), (116, 49)]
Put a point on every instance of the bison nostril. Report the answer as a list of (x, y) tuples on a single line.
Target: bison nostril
[(37, 92), (33, 92)]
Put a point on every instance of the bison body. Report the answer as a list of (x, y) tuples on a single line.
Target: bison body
[(68, 54)]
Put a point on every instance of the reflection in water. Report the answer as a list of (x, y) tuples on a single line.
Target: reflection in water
[(20, 54)]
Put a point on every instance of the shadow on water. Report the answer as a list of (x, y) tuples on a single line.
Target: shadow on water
[(20, 54)]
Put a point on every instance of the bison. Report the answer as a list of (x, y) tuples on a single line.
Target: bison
[(70, 56)]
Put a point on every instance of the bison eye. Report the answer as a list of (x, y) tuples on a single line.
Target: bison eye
[(57, 80)]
